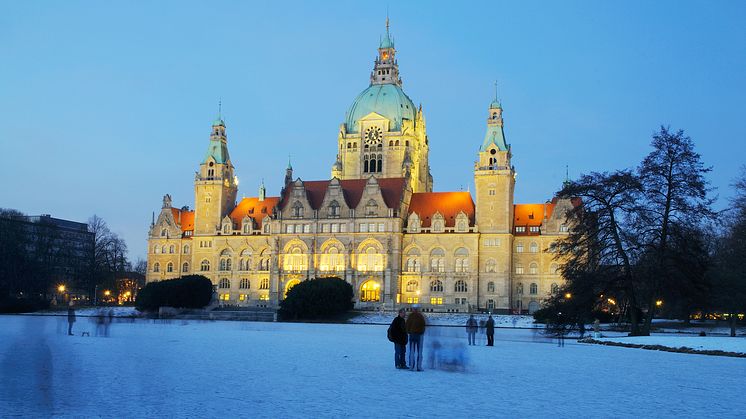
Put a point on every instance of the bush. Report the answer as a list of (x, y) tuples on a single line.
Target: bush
[(191, 291), (22, 305), (321, 297)]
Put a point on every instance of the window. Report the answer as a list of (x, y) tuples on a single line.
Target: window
[(519, 248), (156, 267), (185, 267), (164, 232), (306, 228), (264, 284), (244, 264), (335, 228), (243, 297), (225, 260), (413, 264), (170, 267), (533, 229), (533, 248), (371, 208), (461, 301), (334, 209), (225, 283), (156, 249), (533, 268), (491, 266), (533, 289), (462, 260), (263, 297), (297, 209), (413, 300), (295, 260), (436, 300), (460, 286), (332, 260), (372, 227), (186, 249), (412, 286), (461, 226), (225, 297), (244, 284), (490, 286), (520, 229), (364, 227), (264, 264), (491, 192), (436, 286), (437, 226), (246, 227), (563, 228), (519, 269), (370, 260), (163, 249), (437, 260), (204, 266), (171, 249), (370, 291)]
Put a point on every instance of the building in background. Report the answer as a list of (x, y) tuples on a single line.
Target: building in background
[(376, 223)]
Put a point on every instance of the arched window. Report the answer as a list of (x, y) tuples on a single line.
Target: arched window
[(171, 249), (244, 264), (370, 291), (555, 288), (204, 266), (246, 227), (244, 284), (185, 267), (296, 260), (156, 249), (519, 289), (533, 289), (264, 264), (437, 260), (437, 226), (553, 269), (460, 286), (334, 209), (332, 260), (156, 267), (225, 283), (491, 265), (413, 260), (436, 285), (490, 286), (519, 248), (297, 209), (533, 268), (186, 249), (264, 284), (371, 208), (163, 249), (533, 247), (412, 286), (170, 267), (462, 259)]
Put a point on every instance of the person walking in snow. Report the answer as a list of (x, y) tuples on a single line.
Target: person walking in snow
[(471, 330), (415, 326), (490, 326), (482, 324), (397, 334), (70, 318)]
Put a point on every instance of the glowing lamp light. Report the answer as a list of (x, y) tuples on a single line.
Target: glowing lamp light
[(659, 303), (61, 288), (611, 301), (107, 293), (568, 295)]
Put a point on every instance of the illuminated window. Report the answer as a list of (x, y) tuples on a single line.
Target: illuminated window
[(563, 228), (413, 300), (370, 260), (460, 286), (264, 284), (156, 267), (533, 289), (533, 248), (225, 283), (170, 267), (370, 291), (264, 297), (244, 284), (519, 269), (332, 261), (520, 229), (243, 297), (436, 300), (519, 248), (533, 268), (204, 266), (225, 297), (295, 260), (534, 229), (436, 286)]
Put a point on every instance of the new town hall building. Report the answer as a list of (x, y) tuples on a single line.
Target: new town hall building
[(376, 223)]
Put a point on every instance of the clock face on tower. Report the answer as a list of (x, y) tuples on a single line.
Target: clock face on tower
[(373, 135)]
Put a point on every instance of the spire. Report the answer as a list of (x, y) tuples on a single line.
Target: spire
[(567, 182), (496, 102), (262, 191), (289, 173), (290, 166), (495, 134), (218, 148), (386, 69), (219, 121)]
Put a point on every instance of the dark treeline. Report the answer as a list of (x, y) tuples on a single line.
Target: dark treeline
[(646, 240)]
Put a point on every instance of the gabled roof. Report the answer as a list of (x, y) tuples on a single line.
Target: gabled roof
[(392, 190), (531, 214), (449, 204), (183, 218), (255, 209)]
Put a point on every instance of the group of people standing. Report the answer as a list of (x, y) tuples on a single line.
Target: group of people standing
[(486, 327), (408, 329)]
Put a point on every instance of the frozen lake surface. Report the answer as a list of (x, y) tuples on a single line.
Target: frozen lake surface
[(230, 369)]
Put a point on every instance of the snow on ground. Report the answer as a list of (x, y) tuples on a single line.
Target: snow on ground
[(226, 369), (450, 319), (700, 343)]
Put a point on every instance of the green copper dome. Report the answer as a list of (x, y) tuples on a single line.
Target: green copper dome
[(387, 100)]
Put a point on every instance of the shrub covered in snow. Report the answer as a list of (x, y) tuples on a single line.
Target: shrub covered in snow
[(321, 297), (191, 291)]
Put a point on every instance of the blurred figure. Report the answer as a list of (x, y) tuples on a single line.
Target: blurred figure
[(70, 318), (490, 326), (471, 330), (398, 335), (107, 322), (415, 325), (482, 324), (434, 346), (100, 320)]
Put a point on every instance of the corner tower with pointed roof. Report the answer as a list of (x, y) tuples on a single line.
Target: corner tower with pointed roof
[(384, 132), (215, 185)]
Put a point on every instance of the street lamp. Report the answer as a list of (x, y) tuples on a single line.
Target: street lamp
[(568, 295), (107, 293), (61, 288), (659, 303)]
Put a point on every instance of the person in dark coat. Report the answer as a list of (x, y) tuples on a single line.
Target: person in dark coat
[(471, 329), (415, 325), (70, 318), (490, 328), (398, 335)]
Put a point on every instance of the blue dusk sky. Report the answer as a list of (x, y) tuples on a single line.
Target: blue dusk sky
[(106, 106)]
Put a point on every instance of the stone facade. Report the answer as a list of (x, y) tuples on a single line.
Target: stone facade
[(376, 223)]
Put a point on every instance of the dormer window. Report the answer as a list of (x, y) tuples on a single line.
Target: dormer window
[(334, 209), (371, 208), (298, 210)]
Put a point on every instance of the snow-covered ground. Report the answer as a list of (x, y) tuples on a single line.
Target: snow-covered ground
[(700, 343), (235, 369)]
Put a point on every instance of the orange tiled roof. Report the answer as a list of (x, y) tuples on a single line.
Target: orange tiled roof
[(392, 190), (531, 214), (255, 209), (449, 204), (183, 218)]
